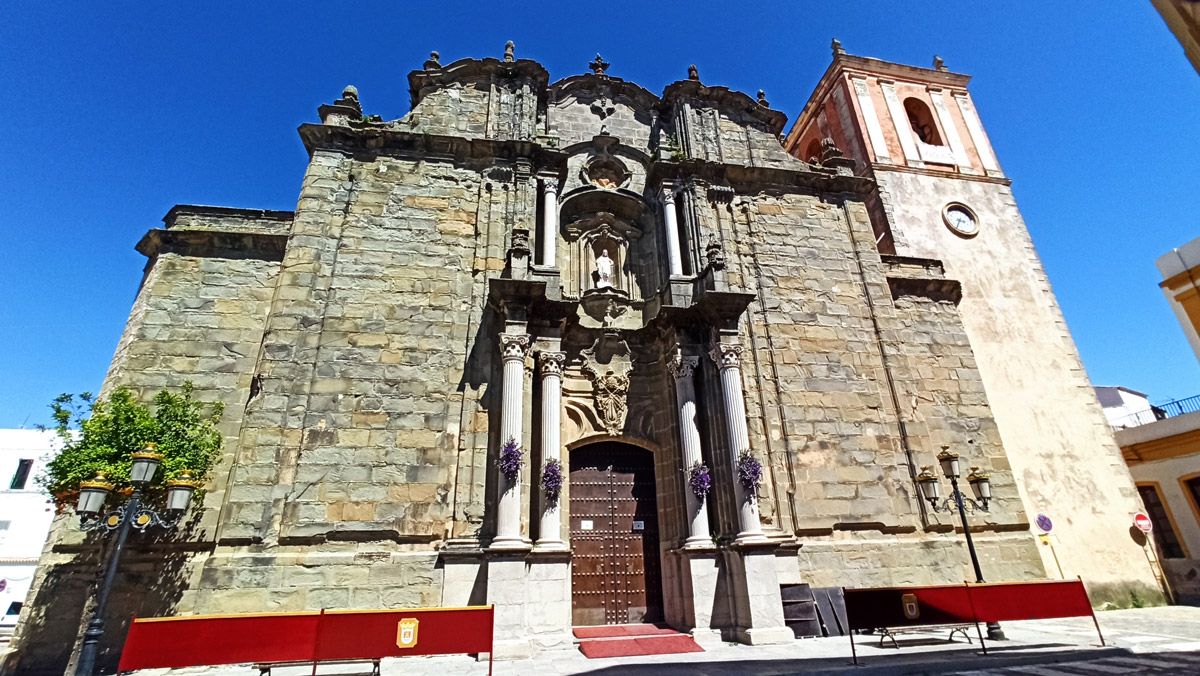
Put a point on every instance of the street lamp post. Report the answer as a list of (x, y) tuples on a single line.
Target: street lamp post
[(981, 486), (132, 514)]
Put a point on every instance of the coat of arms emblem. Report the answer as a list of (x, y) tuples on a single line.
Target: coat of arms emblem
[(406, 632)]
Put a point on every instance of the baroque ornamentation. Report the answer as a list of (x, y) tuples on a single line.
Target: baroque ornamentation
[(726, 356), (520, 242), (681, 367), (552, 363), (715, 254), (514, 346), (610, 390)]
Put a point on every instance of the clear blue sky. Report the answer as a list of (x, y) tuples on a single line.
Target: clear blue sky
[(117, 111)]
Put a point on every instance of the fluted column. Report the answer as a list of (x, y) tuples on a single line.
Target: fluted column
[(551, 363), (549, 222), (508, 512), (671, 223), (729, 360), (682, 369)]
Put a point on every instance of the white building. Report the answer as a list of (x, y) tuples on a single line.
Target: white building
[(25, 515), (1179, 268), (1126, 408)]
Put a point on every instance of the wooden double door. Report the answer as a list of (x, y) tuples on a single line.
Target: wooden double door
[(615, 573)]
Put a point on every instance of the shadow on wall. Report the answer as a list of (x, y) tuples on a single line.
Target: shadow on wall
[(150, 582)]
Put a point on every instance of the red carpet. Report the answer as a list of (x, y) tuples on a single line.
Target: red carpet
[(627, 640)]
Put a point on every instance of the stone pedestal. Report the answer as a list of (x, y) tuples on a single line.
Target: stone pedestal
[(548, 604), (699, 572), (464, 578), (758, 604), (507, 591)]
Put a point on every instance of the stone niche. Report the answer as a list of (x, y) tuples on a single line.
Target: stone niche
[(611, 267)]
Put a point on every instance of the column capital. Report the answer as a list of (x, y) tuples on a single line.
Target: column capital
[(681, 367), (668, 195), (514, 347), (550, 184), (726, 355), (552, 363)]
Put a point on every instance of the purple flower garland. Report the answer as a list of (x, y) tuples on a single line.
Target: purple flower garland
[(510, 461), (749, 472), (552, 481), (699, 480)]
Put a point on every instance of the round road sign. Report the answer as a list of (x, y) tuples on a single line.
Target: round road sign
[(1044, 523), (1143, 522)]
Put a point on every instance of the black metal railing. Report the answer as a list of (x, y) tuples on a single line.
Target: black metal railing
[(1158, 412)]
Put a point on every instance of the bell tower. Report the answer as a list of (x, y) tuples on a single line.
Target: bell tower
[(941, 194)]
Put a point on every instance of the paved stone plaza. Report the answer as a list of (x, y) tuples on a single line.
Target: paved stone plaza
[(1140, 641)]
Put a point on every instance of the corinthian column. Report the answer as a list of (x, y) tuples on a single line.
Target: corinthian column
[(729, 360), (508, 511), (682, 368), (550, 533), (549, 222), (674, 254)]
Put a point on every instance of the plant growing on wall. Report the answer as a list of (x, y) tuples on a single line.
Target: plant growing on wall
[(552, 481), (510, 461), (101, 435), (699, 480), (749, 472)]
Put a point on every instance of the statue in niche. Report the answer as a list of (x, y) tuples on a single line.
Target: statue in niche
[(604, 271)]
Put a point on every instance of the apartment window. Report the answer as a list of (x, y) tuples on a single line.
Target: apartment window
[(21, 477), (1193, 489), (1164, 532)]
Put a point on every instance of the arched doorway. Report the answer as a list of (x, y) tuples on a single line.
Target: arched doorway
[(615, 572)]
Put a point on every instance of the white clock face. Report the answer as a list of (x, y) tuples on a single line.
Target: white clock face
[(961, 220)]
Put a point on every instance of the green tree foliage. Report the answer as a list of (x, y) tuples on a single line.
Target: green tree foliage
[(101, 435)]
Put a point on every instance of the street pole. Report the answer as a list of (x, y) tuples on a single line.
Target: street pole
[(91, 638), (994, 631)]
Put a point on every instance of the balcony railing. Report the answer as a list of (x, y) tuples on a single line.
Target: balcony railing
[(1158, 412)]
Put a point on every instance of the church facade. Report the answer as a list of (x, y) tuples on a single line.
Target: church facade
[(737, 347)]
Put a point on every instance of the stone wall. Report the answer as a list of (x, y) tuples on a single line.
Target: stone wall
[(1057, 440)]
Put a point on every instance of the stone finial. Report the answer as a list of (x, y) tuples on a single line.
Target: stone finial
[(762, 99), (939, 64), (508, 52), (829, 149), (350, 93), (433, 63), (598, 65), (836, 46), (693, 73)]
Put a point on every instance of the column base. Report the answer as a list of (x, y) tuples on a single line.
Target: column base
[(764, 635), (751, 539), (551, 546), (698, 542), (509, 545), (512, 649)]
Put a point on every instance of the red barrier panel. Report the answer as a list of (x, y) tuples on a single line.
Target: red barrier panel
[(1029, 600), (219, 639), (353, 634), (886, 606), (889, 607), (305, 637)]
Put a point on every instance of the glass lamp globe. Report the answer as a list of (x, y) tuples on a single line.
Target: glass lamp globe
[(948, 459), (145, 464), (92, 495)]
